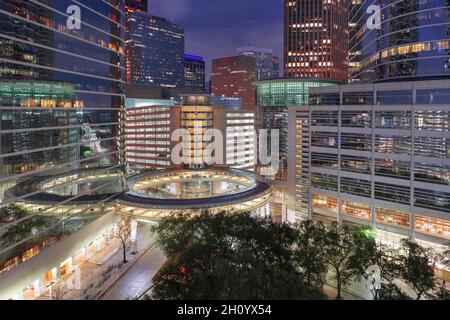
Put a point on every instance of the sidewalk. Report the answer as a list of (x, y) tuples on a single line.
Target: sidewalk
[(99, 270)]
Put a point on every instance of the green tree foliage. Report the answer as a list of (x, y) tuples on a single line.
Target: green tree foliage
[(388, 261), (416, 269), (308, 252), (348, 251), (227, 256), (445, 257), (11, 213), (235, 256)]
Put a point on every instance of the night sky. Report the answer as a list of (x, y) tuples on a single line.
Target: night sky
[(215, 28)]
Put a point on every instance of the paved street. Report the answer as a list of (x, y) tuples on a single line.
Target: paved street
[(138, 278)]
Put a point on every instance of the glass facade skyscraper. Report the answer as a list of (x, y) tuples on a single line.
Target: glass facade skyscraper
[(194, 72), (155, 51), (136, 5), (265, 62), (412, 41), (61, 102)]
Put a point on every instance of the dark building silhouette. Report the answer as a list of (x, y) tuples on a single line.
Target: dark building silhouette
[(194, 72), (155, 51)]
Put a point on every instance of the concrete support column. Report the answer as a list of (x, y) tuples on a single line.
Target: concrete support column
[(73, 262), (56, 273), (134, 227), (133, 236), (70, 264), (38, 286), (98, 245), (87, 254)]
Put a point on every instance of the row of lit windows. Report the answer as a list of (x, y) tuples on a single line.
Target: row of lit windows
[(131, 131), (401, 51), (431, 199), (384, 167), (434, 226)]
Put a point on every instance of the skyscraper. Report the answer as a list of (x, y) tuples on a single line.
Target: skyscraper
[(234, 77), (276, 67), (194, 72), (136, 5), (378, 154), (316, 39), (264, 61), (275, 97), (61, 97), (411, 42), (158, 119), (155, 51)]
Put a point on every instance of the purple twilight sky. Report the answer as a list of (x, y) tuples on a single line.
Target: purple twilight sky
[(215, 28)]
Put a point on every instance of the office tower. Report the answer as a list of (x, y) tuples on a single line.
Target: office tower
[(411, 42), (136, 6), (155, 51), (194, 72), (379, 155), (151, 125), (274, 99), (234, 77), (316, 39), (61, 95), (276, 67), (265, 61)]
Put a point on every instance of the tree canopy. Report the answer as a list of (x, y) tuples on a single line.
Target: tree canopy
[(228, 256)]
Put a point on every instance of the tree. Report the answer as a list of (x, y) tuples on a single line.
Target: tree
[(348, 251), (227, 256), (57, 290), (387, 260), (12, 212), (417, 271), (122, 232), (442, 261), (308, 253), (440, 291)]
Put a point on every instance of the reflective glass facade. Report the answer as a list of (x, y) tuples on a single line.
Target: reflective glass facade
[(194, 72), (412, 41), (267, 66), (61, 100), (274, 97)]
